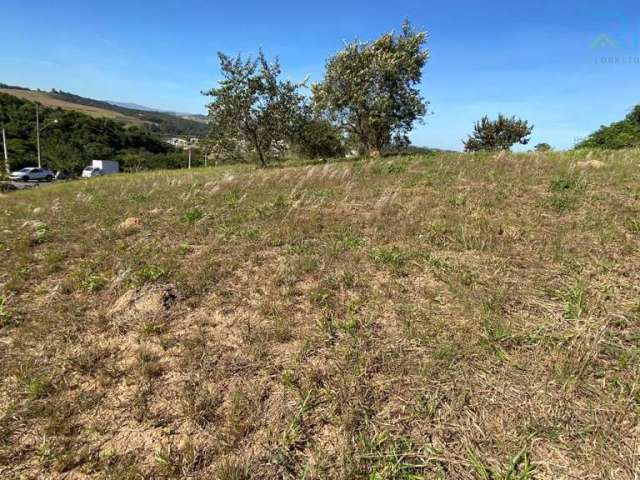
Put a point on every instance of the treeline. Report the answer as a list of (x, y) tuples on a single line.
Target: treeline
[(618, 135), (69, 140)]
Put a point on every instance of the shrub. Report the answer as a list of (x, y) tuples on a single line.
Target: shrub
[(315, 137), (543, 147), (500, 134)]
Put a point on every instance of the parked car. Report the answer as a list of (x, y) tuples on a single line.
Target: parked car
[(32, 173), (101, 167), (90, 171)]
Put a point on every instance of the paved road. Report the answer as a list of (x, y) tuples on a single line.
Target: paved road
[(23, 185)]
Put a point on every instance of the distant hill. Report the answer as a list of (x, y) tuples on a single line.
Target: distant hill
[(166, 124), (133, 106), (49, 100)]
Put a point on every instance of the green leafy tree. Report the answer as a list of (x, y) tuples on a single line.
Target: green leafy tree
[(252, 109), (500, 134), (370, 89), (543, 147), (64, 157), (618, 135)]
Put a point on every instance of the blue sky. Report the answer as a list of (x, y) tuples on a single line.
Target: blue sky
[(534, 60)]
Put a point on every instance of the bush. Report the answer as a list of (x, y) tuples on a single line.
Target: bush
[(543, 147), (500, 134), (316, 138)]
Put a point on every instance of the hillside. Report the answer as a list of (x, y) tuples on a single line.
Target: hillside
[(71, 139), (46, 99), (443, 316), (163, 123)]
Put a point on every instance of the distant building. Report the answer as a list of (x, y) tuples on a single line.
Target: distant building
[(177, 142), (183, 143)]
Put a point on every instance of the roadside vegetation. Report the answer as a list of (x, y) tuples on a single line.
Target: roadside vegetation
[(70, 140), (468, 316)]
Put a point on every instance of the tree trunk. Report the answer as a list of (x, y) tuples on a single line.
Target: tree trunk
[(374, 152), (263, 162), (256, 144)]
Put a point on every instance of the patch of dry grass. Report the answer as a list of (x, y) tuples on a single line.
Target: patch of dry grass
[(449, 316)]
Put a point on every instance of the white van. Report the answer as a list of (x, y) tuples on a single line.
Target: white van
[(101, 167)]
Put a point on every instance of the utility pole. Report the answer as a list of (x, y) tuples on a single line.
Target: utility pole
[(189, 157), (6, 155), (38, 133)]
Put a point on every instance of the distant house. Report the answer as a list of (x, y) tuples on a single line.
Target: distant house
[(183, 143)]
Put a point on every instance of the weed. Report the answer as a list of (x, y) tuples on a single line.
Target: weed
[(180, 462), (152, 328), (148, 364), (394, 257), (192, 216), (446, 353), (36, 385), (150, 274), (93, 283), (40, 235), (384, 457), (5, 316), (232, 198), (575, 300), (54, 260), (232, 469), (563, 184), (388, 168), (633, 225), (252, 234), (458, 200), (497, 335), (347, 240), (567, 191), (240, 415), (563, 203), (519, 468)]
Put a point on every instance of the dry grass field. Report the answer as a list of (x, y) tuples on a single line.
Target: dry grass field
[(47, 100), (437, 317)]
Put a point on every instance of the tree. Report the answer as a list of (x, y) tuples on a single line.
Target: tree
[(543, 147), (500, 134), (252, 108), (370, 89), (634, 116)]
